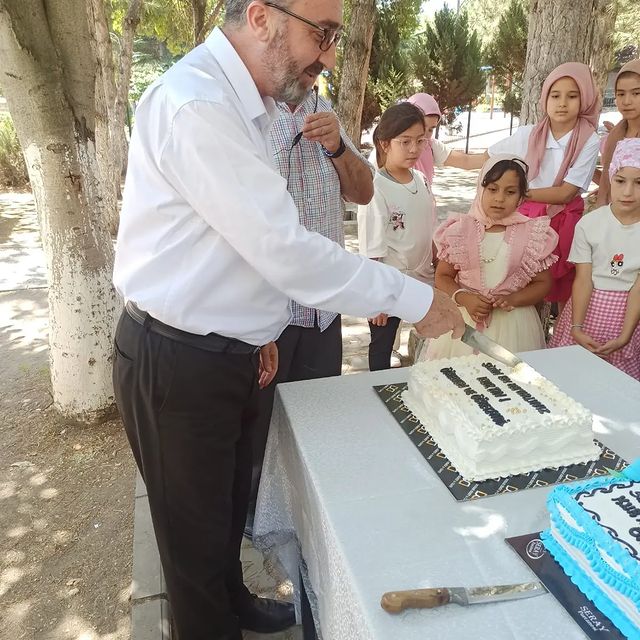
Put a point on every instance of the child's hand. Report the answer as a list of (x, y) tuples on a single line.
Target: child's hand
[(477, 305), (506, 303), (380, 320), (585, 340), (611, 346)]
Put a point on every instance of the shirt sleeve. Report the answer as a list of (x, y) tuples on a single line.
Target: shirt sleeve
[(358, 153), (372, 225), (581, 250), (515, 143), (581, 173), (440, 152), (212, 162)]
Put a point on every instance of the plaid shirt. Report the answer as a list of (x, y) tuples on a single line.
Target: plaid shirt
[(314, 186)]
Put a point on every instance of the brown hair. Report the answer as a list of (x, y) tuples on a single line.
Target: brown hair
[(394, 121)]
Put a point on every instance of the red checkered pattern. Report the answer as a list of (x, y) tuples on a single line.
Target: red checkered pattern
[(314, 186), (603, 322)]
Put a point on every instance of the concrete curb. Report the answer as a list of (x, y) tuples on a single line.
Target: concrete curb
[(150, 616)]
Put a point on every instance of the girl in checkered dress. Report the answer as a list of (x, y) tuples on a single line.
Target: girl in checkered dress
[(603, 313)]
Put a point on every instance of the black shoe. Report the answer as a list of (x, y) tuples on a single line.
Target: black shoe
[(264, 615)]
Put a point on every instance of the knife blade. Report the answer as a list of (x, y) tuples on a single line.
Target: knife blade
[(479, 342), (397, 601)]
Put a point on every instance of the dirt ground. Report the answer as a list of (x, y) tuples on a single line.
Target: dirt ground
[(66, 492)]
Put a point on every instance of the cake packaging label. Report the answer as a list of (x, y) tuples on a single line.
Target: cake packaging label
[(594, 624), (462, 489)]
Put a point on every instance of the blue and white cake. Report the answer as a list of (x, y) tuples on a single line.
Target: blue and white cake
[(595, 537)]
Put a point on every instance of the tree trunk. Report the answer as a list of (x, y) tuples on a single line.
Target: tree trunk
[(105, 97), (49, 66), (578, 31), (355, 67), (118, 138)]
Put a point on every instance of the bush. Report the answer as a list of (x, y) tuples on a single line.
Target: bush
[(13, 171)]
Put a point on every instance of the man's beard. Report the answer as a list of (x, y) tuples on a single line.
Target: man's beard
[(288, 87)]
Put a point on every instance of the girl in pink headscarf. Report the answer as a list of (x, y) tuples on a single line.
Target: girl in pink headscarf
[(561, 151), (627, 91), (604, 310), (436, 153), (494, 262)]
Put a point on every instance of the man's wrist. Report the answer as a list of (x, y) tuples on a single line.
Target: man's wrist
[(342, 147)]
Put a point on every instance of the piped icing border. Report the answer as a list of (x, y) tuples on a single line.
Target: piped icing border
[(588, 588), (612, 532), (587, 542)]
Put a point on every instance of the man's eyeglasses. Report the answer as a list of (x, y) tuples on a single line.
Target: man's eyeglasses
[(330, 35)]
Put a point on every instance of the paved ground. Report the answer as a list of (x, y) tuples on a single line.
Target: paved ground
[(24, 394)]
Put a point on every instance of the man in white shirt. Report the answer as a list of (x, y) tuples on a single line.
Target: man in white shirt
[(210, 251)]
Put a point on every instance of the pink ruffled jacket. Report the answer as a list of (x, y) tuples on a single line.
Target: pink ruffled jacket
[(531, 244)]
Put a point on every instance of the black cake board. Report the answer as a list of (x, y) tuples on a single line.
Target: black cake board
[(463, 490), (588, 617)]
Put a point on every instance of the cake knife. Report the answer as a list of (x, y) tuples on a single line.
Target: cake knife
[(479, 342), (397, 601)]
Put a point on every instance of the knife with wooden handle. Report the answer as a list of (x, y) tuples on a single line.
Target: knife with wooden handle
[(397, 601)]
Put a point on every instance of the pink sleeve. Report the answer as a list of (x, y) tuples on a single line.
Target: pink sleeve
[(443, 236), (549, 243), (543, 241)]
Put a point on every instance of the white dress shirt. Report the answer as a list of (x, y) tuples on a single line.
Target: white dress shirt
[(579, 175), (209, 237)]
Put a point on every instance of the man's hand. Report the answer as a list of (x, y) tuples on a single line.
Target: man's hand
[(324, 128), (268, 364), (380, 320), (443, 316)]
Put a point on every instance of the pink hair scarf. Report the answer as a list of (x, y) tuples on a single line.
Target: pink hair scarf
[(478, 212), (626, 154), (429, 107), (616, 134), (584, 129)]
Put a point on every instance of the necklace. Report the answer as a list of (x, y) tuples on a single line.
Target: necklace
[(492, 258), (402, 184)]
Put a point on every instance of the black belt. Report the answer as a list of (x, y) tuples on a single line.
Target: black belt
[(211, 342)]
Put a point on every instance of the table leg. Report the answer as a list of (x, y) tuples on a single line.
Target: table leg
[(308, 625)]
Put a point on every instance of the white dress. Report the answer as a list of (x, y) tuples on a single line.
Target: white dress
[(517, 330)]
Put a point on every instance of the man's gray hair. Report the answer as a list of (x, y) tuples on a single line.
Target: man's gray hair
[(235, 11)]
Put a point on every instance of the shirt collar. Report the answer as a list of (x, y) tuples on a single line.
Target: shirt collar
[(255, 106), (552, 143), (306, 105)]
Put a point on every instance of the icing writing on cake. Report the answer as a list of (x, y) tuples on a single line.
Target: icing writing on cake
[(633, 511), (523, 393), (480, 399), (494, 390)]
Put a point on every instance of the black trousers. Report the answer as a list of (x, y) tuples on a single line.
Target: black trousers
[(381, 345), (188, 414), (304, 353)]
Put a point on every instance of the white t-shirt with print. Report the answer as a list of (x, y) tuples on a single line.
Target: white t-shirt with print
[(579, 175), (610, 246), (397, 225)]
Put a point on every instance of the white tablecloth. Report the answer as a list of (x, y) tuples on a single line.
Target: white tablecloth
[(344, 486)]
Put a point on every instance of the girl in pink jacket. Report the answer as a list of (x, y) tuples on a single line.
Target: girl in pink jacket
[(494, 262)]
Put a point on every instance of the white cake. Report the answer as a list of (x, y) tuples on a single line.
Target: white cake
[(493, 422), (595, 537)]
